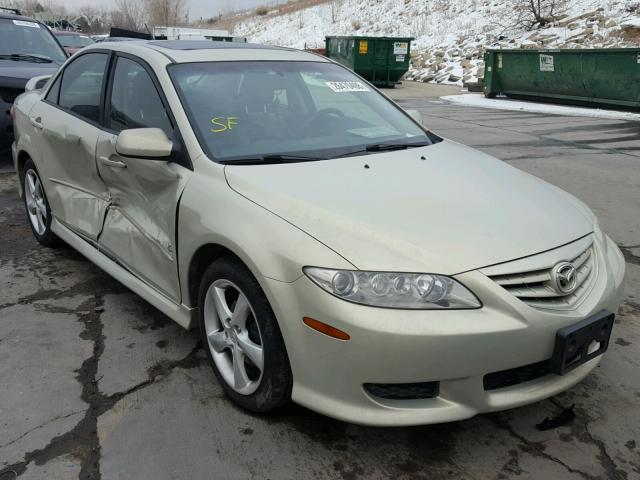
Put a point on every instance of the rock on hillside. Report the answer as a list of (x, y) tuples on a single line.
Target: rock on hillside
[(450, 35)]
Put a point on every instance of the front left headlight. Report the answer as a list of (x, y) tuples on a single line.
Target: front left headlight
[(416, 291)]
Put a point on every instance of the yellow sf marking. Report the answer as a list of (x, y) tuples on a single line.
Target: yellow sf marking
[(223, 124)]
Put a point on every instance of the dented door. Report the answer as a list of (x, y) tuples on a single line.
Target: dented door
[(68, 120), (140, 222)]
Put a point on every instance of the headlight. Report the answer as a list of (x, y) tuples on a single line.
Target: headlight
[(419, 291)]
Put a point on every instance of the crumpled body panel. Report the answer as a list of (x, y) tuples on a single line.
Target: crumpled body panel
[(147, 253)]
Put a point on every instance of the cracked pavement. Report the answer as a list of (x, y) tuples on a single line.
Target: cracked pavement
[(97, 384)]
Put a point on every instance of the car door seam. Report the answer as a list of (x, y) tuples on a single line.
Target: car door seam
[(75, 187)]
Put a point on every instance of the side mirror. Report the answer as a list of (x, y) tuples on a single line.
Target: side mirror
[(416, 115), (36, 83), (144, 142)]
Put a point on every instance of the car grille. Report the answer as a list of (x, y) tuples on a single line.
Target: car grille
[(515, 376), (403, 391), (535, 287)]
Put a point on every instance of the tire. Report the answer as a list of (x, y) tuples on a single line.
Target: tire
[(231, 342), (37, 206)]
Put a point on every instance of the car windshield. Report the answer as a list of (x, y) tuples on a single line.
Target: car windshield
[(310, 110), (23, 38), (74, 41)]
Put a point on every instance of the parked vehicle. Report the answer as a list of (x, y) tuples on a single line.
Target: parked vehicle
[(330, 249), (72, 42), (100, 37), (184, 33), (27, 50)]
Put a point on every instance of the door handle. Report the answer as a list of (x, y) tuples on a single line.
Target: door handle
[(36, 122), (111, 163)]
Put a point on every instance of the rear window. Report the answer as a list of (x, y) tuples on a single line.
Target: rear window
[(74, 41)]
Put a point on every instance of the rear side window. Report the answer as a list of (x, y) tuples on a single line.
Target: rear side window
[(135, 102), (82, 85), (54, 91)]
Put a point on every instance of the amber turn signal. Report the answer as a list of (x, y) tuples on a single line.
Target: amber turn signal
[(326, 329)]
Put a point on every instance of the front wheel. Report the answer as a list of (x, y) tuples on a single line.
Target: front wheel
[(37, 206), (242, 338)]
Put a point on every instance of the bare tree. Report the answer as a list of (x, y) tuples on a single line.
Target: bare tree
[(529, 14), (334, 11), (130, 14), (166, 12)]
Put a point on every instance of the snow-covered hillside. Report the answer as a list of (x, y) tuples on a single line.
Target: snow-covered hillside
[(450, 35)]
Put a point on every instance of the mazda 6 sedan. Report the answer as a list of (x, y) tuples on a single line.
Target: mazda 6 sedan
[(330, 249)]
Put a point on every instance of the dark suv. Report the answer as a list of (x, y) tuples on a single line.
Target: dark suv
[(27, 49)]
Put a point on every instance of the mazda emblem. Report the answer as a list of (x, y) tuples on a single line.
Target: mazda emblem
[(564, 278)]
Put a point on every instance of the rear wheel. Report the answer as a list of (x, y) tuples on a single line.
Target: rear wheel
[(37, 206), (242, 338)]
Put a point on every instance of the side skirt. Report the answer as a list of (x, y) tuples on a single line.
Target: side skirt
[(181, 314)]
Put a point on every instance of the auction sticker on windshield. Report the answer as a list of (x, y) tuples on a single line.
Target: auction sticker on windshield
[(347, 87), (22, 23)]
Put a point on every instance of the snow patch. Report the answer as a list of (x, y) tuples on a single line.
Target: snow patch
[(480, 101), (450, 35)]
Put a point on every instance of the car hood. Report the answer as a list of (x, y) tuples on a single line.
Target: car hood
[(15, 74), (454, 211)]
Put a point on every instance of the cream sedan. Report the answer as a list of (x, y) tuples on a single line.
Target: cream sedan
[(331, 250)]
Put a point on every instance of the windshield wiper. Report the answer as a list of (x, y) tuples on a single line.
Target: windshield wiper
[(383, 147), (26, 57), (267, 159)]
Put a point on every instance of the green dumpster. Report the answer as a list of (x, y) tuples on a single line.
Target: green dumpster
[(597, 77), (380, 60)]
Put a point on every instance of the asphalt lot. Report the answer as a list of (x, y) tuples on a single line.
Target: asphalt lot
[(96, 383)]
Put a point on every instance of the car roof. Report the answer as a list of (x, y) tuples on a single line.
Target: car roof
[(186, 51), (4, 14)]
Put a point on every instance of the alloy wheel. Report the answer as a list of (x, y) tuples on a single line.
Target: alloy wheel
[(233, 336), (36, 206)]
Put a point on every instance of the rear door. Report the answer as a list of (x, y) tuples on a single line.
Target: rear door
[(69, 119), (140, 224)]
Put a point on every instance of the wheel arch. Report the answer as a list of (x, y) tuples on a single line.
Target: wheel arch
[(204, 256), (22, 158)]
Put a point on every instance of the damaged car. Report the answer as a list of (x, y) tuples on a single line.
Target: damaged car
[(330, 249)]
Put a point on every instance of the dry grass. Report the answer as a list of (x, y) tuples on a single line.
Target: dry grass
[(630, 33), (227, 22)]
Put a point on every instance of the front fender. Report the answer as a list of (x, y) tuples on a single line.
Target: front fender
[(212, 213)]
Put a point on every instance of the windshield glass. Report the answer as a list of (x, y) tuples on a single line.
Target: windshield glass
[(74, 41), (319, 110), (28, 38)]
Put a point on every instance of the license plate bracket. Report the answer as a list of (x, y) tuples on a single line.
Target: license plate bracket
[(581, 342)]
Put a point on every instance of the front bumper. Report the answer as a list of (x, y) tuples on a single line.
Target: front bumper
[(455, 348)]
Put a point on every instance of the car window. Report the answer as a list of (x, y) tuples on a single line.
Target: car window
[(74, 41), (54, 91), (135, 102), (82, 85), (315, 109), (22, 37)]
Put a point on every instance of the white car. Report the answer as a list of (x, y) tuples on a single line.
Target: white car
[(331, 250)]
